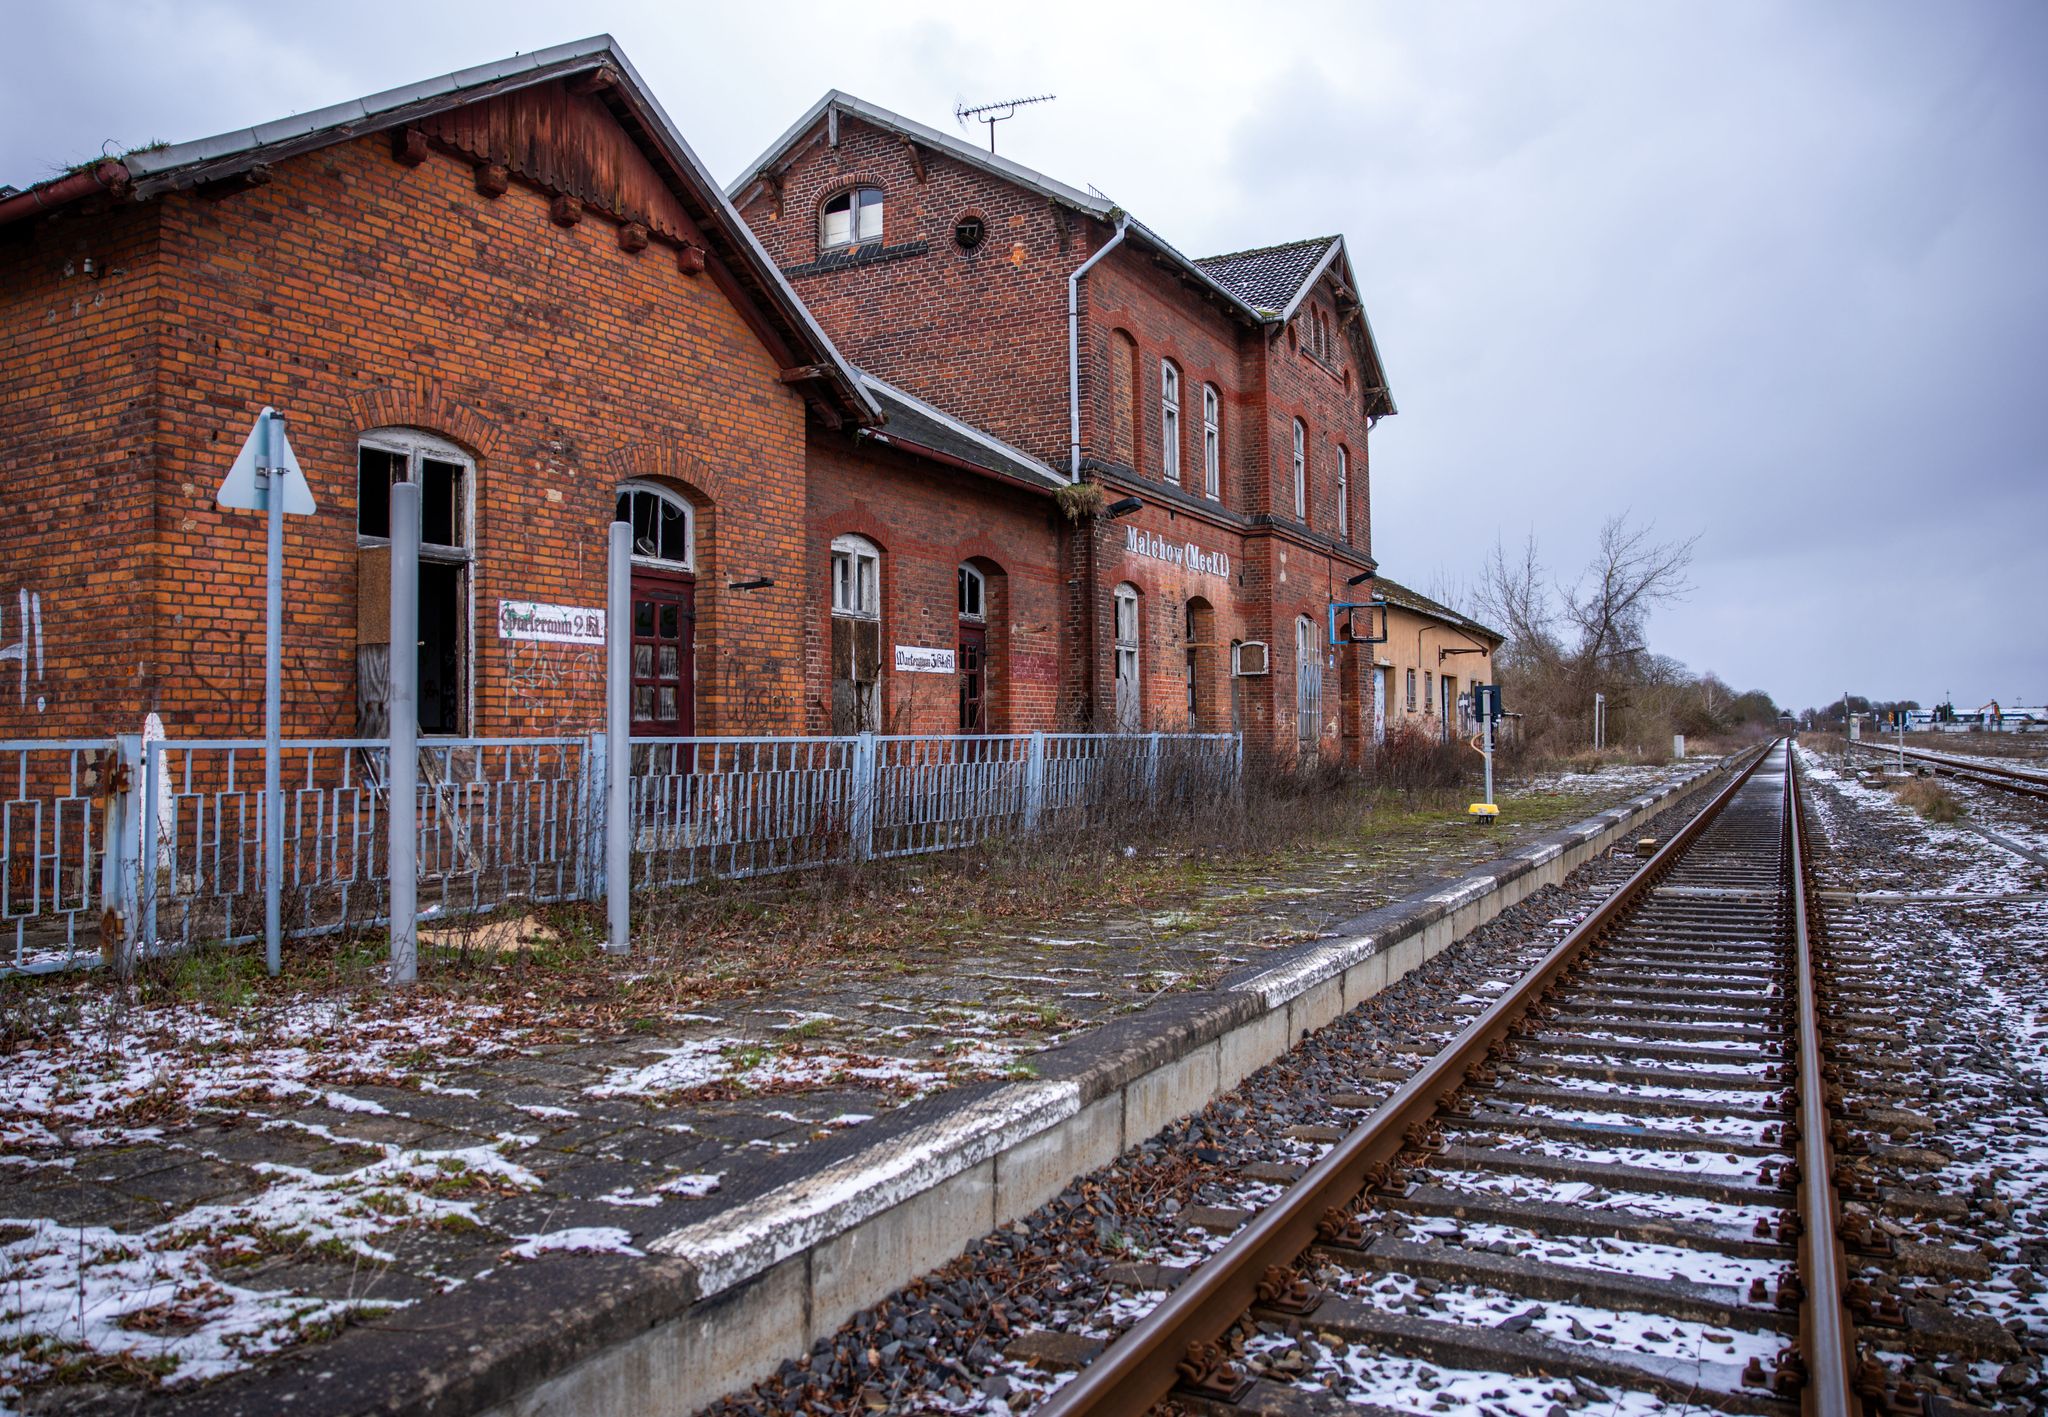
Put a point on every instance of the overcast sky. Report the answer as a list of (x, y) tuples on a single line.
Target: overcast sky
[(1773, 273)]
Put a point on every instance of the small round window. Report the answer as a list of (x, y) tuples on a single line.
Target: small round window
[(969, 232)]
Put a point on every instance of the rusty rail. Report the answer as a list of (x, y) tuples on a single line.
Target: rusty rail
[(2019, 780), (1179, 1338), (1827, 1333)]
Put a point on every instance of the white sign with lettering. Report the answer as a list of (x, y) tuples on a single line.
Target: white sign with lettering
[(556, 624), (1175, 553), (916, 659)]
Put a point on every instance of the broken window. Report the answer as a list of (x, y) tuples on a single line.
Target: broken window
[(664, 529), (973, 594), (1129, 696), (852, 218), (446, 476), (856, 635)]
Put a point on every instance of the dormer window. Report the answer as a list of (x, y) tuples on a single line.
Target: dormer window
[(852, 218)]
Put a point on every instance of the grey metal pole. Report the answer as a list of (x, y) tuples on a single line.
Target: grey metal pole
[(618, 751), (1486, 719), (402, 707), (272, 475)]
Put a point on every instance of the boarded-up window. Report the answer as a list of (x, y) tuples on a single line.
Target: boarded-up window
[(1123, 398), (1129, 693)]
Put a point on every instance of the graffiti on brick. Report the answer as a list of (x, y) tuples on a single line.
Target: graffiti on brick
[(27, 646)]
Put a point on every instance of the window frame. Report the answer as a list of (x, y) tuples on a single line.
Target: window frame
[(1212, 442), (1300, 471), (1169, 421), (853, 197), (968, 576), (1411, 691), (1343, 492), (416, 446), (1128, 632), (853, 550), (667, 496)]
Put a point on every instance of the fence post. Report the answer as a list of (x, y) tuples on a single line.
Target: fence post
[(1034, 782), (867, 788), (148, 867), (590, 820), (1152, 766), (402, 773), (618, 776), (117, 852)]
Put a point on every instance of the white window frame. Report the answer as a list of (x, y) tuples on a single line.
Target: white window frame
[(856, 578), (1411, 691), (855, 209), (1343, 491), (1130, 690), (972, 588), (1169, 421), (416, 445), (1308, 679), (1300, 471), (640, 487), (1212, 442)]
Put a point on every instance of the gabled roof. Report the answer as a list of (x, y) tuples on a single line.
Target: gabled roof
[(838, 101), (911, 423), (1261, 287), (1401, 597), (1270, 277), (150, 172)]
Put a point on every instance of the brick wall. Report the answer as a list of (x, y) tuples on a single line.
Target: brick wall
[(354, 291), (78, 381), (982, 335), (927, 521)]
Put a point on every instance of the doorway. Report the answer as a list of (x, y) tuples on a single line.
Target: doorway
[(664, 665)]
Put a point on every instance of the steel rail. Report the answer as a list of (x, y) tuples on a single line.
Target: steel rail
[(1143, 1365), (1827, 1333), (2025, 783)]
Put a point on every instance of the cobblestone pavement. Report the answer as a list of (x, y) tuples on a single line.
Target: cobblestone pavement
[(183, 1193)]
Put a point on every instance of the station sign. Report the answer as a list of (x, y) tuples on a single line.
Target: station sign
[(1176, 553), (917, 659), (553, 624)]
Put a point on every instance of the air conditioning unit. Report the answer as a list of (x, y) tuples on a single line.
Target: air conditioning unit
[(1251, 659)]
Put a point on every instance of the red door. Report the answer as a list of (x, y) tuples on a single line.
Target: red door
[(973, 677), (664, 655)]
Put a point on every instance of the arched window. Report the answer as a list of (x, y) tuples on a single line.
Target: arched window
[(1300, 470), (856, 635), (664, 526), (1169, 421), (1129, 695), (1343, 491), (1212, 442), (446, 477), (856, 577), (973, 594), (851, 218)]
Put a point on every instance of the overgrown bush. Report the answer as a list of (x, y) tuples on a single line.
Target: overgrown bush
[(1930, 799)]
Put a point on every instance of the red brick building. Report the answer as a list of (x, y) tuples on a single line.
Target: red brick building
[(517, 286), (870, 489), (1231, 396)]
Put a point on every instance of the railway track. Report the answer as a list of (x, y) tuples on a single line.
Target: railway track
[(2022, 781), (1625, 1145)]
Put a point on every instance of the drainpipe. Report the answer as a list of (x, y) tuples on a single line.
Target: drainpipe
[(109, 176), (1088, 618), (1074, 347)]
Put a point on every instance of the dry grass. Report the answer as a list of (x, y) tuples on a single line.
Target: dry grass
[(1930, 799)]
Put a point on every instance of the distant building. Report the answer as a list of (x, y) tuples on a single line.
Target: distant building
[(1431, 659)]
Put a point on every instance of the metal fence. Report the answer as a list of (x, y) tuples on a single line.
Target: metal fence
[(160, 845)]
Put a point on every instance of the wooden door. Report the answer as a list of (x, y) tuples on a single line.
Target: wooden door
[(664, 700), (973, 677)]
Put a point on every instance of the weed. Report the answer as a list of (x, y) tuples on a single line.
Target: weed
[(1930, 799)]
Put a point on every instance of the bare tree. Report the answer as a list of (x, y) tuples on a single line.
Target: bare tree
[(1609, 606)]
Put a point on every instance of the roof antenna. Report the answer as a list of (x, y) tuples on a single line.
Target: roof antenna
[(1009, 107)]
